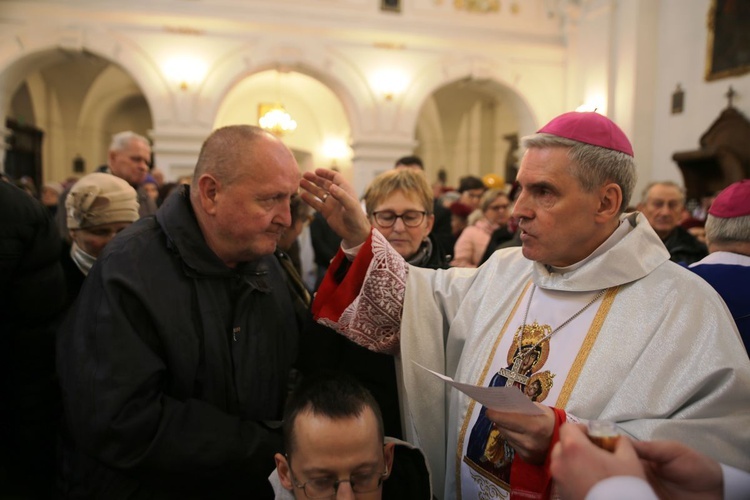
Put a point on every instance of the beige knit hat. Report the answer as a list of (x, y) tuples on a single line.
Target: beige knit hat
[(98, 199)]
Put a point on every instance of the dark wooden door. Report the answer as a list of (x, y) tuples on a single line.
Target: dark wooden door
[(24, 154)]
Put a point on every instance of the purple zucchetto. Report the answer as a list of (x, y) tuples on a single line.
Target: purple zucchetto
[(733, 201), (589, 128)]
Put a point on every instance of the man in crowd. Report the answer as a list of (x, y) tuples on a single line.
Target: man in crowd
[(663, 204), (335, 447), (727, 267), (128, 158), (640, 469), (585, 312), (471, 188), (175, 366)]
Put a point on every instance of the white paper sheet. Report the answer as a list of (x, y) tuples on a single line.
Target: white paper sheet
[(508, 399)]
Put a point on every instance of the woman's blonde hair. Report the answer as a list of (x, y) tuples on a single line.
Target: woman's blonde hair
[(409, 181)]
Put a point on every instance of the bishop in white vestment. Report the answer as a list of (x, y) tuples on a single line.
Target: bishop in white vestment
[(621, 334)]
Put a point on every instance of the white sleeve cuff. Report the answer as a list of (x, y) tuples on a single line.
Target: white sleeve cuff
[(621, 488), (736, 483), (351, 252)]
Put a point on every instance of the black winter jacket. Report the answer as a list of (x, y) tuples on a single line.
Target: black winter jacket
[(683, 247), (174, 368), (32, 296)]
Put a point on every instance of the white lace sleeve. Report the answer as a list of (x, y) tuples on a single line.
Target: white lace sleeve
[(373, 319)]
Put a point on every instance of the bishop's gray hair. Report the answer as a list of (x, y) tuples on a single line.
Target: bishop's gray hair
[(726, 230), (593, 166)]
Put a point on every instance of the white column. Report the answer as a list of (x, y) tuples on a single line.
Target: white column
[(375, 155), (176, 149)]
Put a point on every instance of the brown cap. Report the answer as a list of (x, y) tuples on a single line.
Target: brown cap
[(98, 199)]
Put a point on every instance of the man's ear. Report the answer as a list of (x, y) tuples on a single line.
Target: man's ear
[(111, 157), (388, 451), (208, 189), (610, 199), (282, 468)]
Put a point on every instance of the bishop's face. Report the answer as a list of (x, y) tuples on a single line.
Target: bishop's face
[(556, 216)]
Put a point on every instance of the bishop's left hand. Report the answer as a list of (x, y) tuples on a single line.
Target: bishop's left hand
[(529, 435)]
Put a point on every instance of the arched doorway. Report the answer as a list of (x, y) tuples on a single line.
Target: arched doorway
[(471, 127), (322, 136), (76, 100)]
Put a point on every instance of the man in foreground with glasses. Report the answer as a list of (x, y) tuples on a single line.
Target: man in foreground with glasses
[(335, 447)]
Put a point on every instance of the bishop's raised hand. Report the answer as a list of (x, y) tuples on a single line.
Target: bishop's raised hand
[(328, 192)]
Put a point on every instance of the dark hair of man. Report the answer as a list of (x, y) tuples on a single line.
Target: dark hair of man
[(409, 161), (593, 166), (222, 153), (332, 395), (470, 182)]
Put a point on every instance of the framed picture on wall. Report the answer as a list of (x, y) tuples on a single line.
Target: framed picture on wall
[(390, 5), (728, 39)]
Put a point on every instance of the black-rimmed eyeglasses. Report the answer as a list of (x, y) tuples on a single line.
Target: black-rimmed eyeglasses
[(411, 218), (327, 487)]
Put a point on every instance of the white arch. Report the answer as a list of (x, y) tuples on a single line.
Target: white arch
[(446, 71), (331, 69), (31, 49)]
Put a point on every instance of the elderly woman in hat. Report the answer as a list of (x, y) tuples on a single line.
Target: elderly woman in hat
[(98, 207)]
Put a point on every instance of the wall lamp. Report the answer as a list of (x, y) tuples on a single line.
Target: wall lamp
[(185, 71), (389, 83)]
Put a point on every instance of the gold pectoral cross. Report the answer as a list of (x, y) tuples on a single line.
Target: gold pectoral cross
[(514, 375)]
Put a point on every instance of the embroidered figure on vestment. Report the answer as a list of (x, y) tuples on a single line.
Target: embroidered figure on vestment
[(487, 452)]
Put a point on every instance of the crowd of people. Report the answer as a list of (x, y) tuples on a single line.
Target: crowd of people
[(167, 339)]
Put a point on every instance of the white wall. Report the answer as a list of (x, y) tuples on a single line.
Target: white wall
[(682, 56)]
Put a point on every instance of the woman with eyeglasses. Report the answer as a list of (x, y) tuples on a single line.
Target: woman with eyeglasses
[(471, 245), (399, 204)]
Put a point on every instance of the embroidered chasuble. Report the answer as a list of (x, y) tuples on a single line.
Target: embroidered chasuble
[(658, 353)]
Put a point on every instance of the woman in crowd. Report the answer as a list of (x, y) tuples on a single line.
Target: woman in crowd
[(399, 204), (472, 243), (98, 207)]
